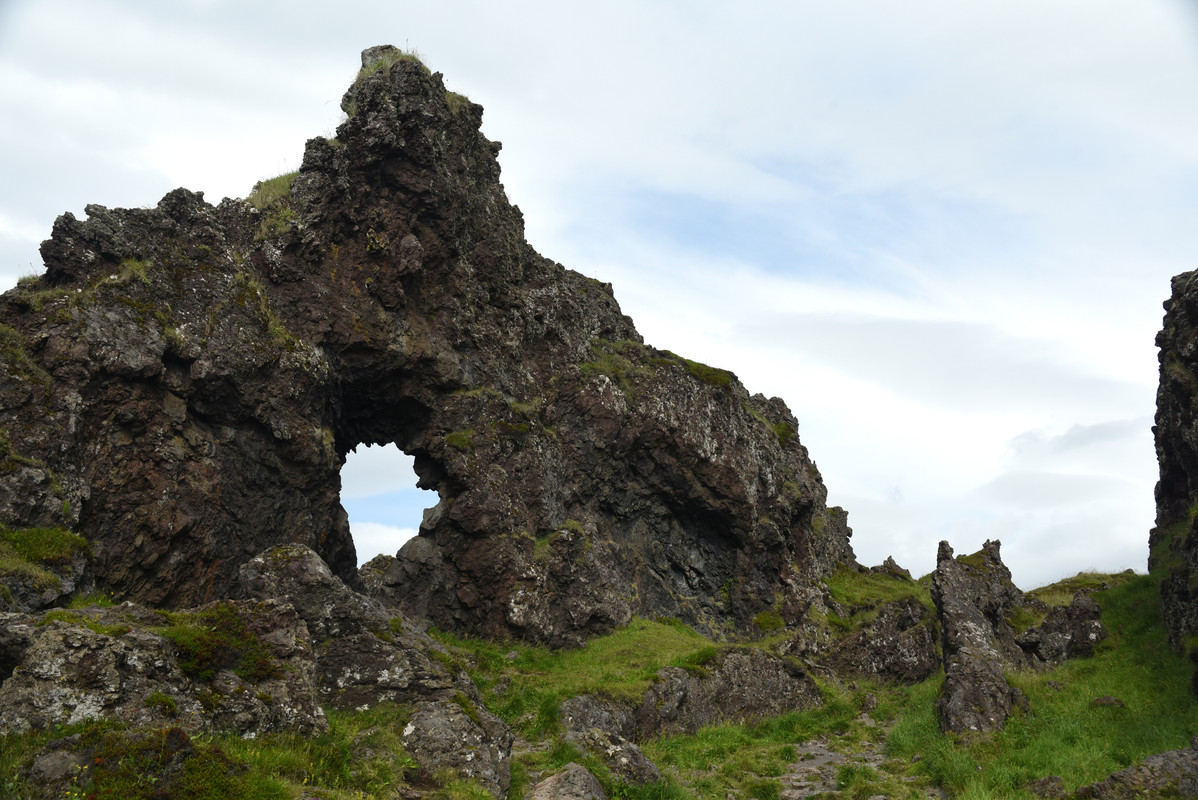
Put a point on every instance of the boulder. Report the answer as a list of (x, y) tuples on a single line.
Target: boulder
[(737, 684), (459, 735), (574, 782), (624, 759), (589, 711), (1071, 631)]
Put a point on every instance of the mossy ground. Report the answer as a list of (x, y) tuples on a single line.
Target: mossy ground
[(360, 756)]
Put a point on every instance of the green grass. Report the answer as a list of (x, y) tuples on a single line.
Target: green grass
[(864, 593), (1067, 736), (272, 192), (625, 363), (43, 545), (26, 552), (1061, 593), (462, 441), (17, 362), (272, 198), (75, 618), (710, 375), (621, 665), (748, 759)]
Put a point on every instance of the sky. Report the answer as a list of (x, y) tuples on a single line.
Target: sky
[(940, 231)]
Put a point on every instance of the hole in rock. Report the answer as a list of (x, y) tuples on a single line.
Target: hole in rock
[(379, 493)]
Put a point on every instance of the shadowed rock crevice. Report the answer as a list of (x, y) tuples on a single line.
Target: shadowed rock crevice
[(188, 379)]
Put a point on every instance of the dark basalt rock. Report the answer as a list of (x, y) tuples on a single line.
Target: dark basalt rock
[(365, 654), (976, 603), (182, 385), (974, 598), (899, 645), (458, 735), (1071, 631), (624, 759), (1173, 543)]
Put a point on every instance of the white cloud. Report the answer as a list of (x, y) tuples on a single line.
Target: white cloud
[(372, 470), (375, 538)]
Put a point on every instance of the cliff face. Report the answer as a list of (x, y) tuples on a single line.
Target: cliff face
[(1173, 543), (182, 385)]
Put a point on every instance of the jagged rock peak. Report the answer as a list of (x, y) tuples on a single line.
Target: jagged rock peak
[(183, 384)]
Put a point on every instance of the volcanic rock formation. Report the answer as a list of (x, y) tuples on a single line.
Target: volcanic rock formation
[(984, 632), (183, 383), (1173, 543)]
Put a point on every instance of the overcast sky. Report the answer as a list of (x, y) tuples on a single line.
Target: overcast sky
[(941, 231)]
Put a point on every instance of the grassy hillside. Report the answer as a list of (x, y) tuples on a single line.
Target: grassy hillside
[(882, 739)]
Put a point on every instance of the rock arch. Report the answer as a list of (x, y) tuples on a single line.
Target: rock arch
[(183, 383)]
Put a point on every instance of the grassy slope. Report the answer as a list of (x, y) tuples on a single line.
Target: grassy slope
[(362, 757), (1067, 736)]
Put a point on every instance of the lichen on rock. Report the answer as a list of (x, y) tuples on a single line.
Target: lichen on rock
[(189, 378)]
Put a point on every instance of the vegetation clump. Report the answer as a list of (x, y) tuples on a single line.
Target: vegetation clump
[(217, 638), (30, 552), (272, 199)]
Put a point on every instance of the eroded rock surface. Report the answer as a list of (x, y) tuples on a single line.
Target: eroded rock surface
[(899, 645), (1173, 543), (364, 654), (978, 606), (574, 782), (974, 597), (120, 664), (623, 758), (459, 735), (1166, 775), (184, 382)]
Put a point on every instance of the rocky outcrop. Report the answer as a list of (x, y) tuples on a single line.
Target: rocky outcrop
[(33, 587), (364, 654), (183, 383), (239, 667), (974, 599), (737, 684), (574, 782), (898, 645), (461, 736), (587, 711), (1071, 631), (978, 608), (1173, 543)]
